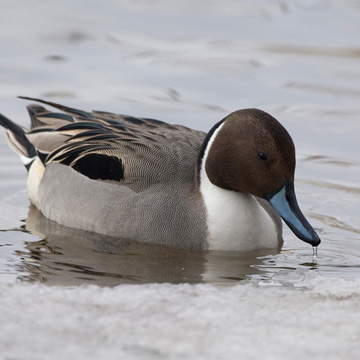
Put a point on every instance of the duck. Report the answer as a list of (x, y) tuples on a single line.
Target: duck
[(147, 180)]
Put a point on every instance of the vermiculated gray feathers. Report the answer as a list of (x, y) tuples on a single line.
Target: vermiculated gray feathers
[(149, 151)]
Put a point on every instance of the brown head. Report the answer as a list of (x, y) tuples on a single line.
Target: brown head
[(251, 152)]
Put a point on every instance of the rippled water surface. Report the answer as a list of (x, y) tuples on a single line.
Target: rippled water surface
[(189, 63)]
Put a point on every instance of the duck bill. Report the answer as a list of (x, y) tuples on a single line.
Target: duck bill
[(285, 203)]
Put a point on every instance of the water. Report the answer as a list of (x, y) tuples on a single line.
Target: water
[(315, 250), (190, 63)]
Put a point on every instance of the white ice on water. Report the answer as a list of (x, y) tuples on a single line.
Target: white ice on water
[(298, 317)]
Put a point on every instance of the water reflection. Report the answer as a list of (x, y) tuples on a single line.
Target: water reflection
[(65, 256), (69, 256), (45, 251)]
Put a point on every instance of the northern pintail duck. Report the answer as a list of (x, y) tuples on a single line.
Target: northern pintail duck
[(146, 180)]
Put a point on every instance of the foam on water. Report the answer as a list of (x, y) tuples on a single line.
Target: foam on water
[(318, 318)]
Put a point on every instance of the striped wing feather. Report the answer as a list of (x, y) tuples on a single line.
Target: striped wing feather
[(136, 152)]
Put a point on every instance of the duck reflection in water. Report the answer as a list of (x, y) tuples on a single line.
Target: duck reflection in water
[(68, 256)]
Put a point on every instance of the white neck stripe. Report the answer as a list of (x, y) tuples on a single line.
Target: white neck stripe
[(207, 149)]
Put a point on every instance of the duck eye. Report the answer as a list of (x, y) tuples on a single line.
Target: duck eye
[(262, 155)]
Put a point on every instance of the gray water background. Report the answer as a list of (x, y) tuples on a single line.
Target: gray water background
[(189, 63)]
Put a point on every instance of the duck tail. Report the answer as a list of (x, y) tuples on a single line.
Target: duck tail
[(16, 137)]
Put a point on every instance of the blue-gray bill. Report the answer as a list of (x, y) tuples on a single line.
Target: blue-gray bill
[(285, 203)]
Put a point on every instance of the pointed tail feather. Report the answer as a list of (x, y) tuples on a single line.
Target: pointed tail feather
[(16, 137), (66, 109), (35, 111)]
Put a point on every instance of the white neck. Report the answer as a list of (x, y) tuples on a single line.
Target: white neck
[(235, 220)]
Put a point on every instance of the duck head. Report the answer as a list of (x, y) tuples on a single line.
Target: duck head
[(251, 152)]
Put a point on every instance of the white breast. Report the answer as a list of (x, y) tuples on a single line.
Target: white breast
[(235, 221)]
